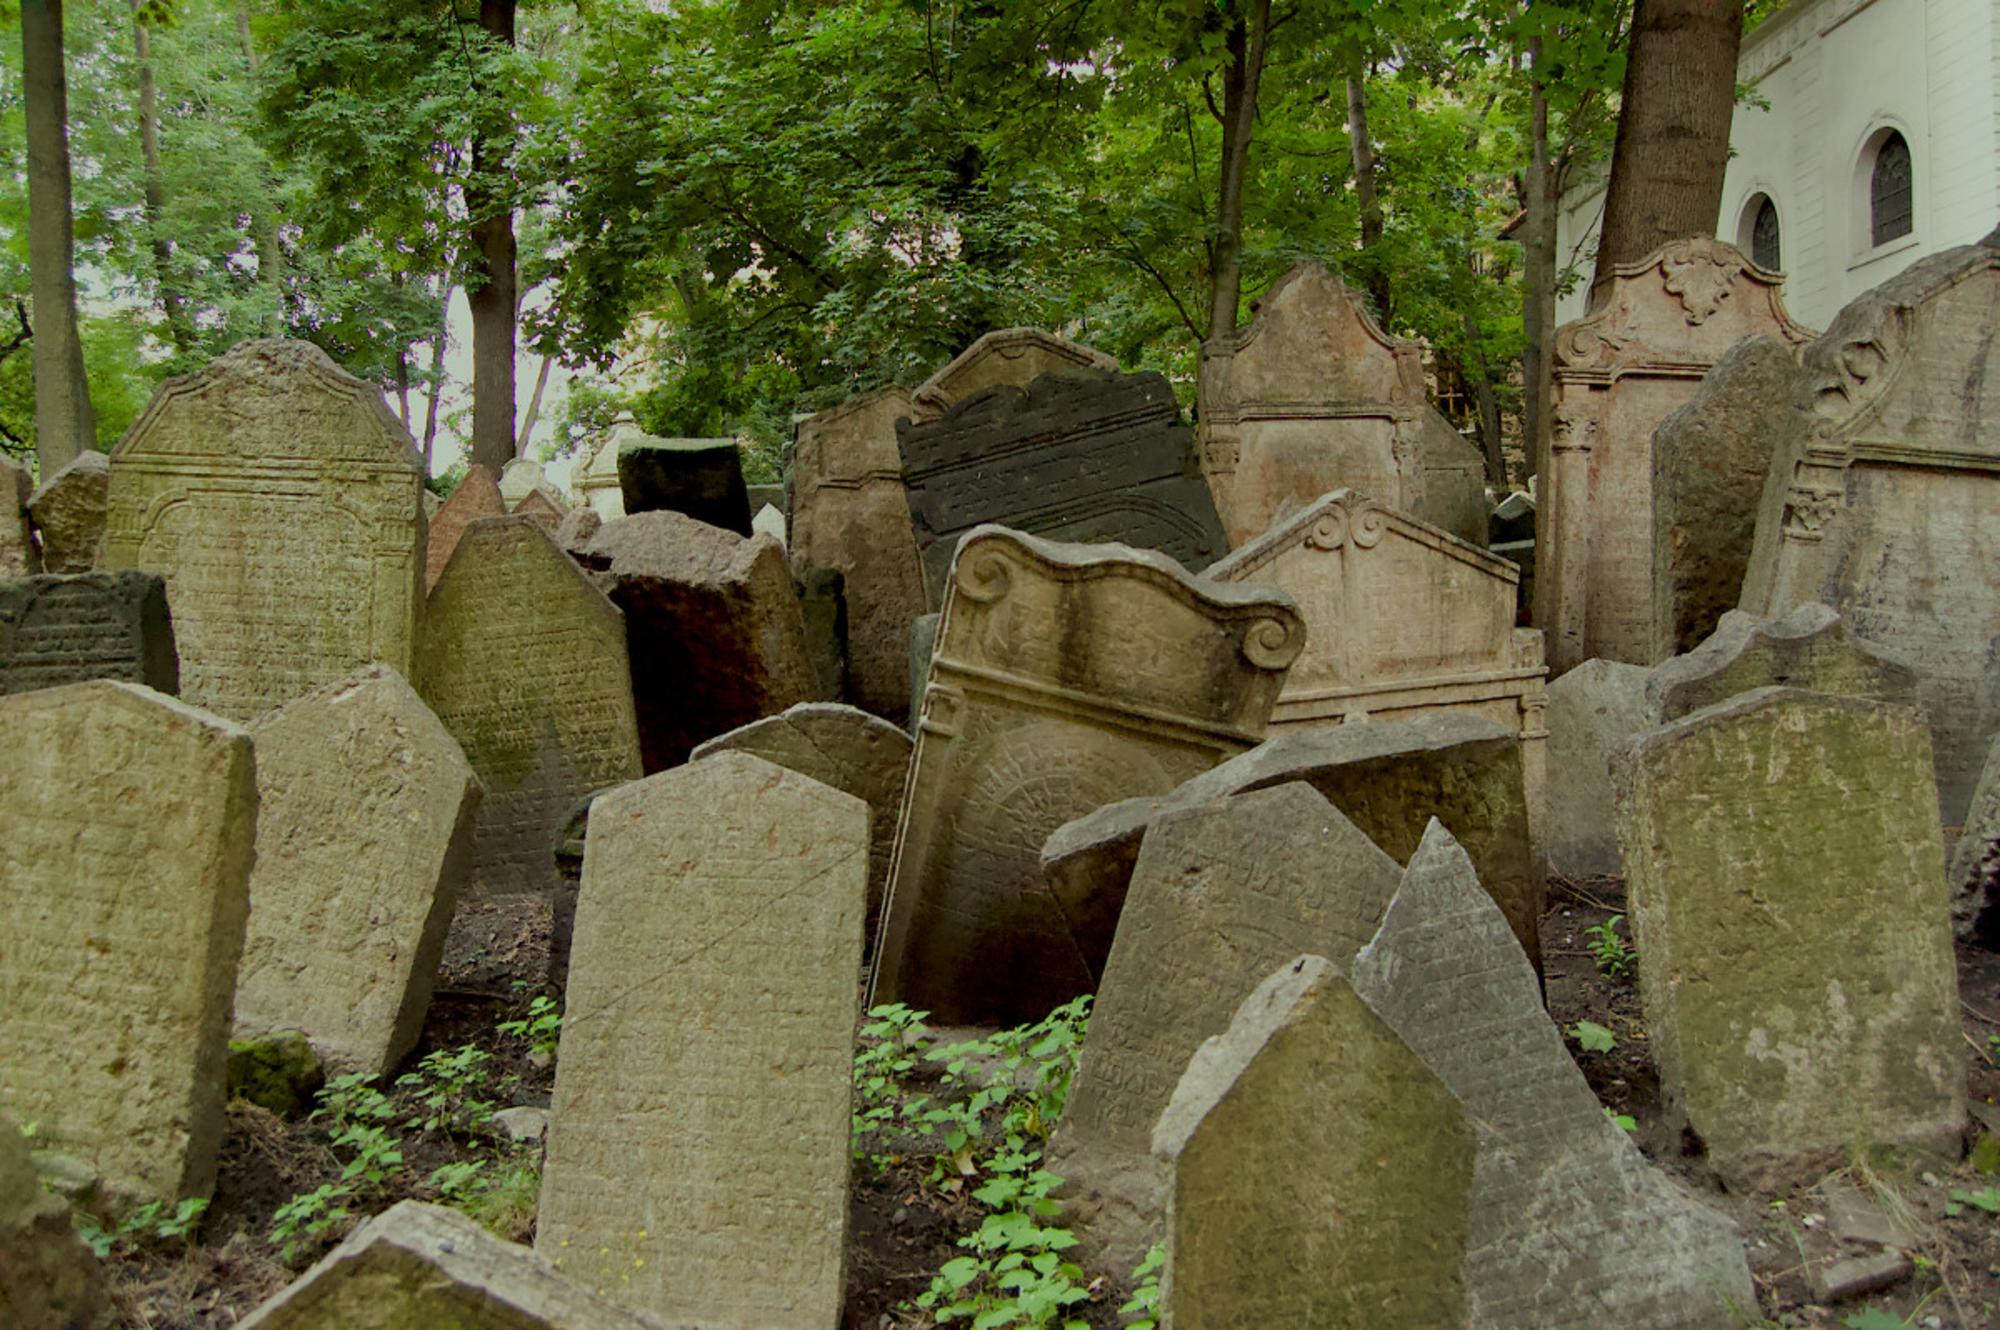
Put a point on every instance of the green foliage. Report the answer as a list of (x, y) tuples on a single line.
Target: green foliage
[(1622, 1121), (445, 1086), (1144, 1304), (1615, 959), (541, 1028), (1986, 1199), (152, 1223), (1592, 1037), (1874, 1318)]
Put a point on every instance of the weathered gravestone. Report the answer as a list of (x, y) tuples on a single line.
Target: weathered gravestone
[(126, 828), (423, 1267), (521, 477), (1222, 894), (18, 557), (1311, 395), (477, 495), (67, 512), (364, 840), (712, 626), (1008, 355), (768, 520), (1076, 455), (1066, 677), (524, 662), (1664, 321), (1594, 710), (768, 495), (1885, 497), (698, 1145), (543, 508), (923, 647), (48, 1278), (701, 478), (66, 629), (1570, 1228), (1322, 1175), (281, 501), (576, 529), (1810, 648), (1974, 871), (1795, 959), (594, 477)]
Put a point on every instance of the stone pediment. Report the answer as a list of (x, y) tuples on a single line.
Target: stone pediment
[(1346, 516), (1010, 355), (1310, 317)]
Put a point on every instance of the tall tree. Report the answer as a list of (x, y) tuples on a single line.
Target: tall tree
[(179, 327), (64, 423), (491, 282), (1246, 46)]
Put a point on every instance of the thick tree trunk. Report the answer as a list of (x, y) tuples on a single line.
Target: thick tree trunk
[(65, 425), (1673, 129), (179, 327), (1367, 202), (491, 293), (270, 252), (437, 378), (1247, 36), (1538, 272), (534, 408)]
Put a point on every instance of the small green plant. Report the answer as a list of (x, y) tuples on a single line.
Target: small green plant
[(1986, 1198), (151, 1223), (1993, 1049), (1614, 958), (1144, 1304), (1874, 1318), (1592, 1037), (1622, 1121), (541, 1027), (458, 1180), (310, 1216), (445, 1086)]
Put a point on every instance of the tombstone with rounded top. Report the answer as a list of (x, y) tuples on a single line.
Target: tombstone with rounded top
[(1015, 356), (68, 513), (66, 629)]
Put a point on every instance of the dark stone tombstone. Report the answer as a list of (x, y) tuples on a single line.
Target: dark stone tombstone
[(64, 629), (702, 478)]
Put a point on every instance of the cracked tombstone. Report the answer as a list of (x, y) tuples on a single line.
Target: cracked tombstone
[(57, 629)]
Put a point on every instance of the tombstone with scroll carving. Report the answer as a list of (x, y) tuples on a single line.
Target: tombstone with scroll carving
[(1619, 372)]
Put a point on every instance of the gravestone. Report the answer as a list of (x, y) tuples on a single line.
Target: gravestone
[(1066, 677), (1883, 500), (712, 623), (423, 1267), (1076, 455), (1222, 894), (1322, 1175), (542, 509), (1974, 871), (1310, 396), (126, 828), (1795, 958), (1810, 648), (521, 477), (281, 501), (364, 840), (48, 1277), (823, 610), (772, 494), (576, 529), (1594, 710), (594, 476), (57, 630), (1641, 353), (67, 512), (1570, 1228), (768, 520), (701, 478), (698, 1144), (1017, 356), (524, 663), (477, 495), (18, 557), (923, 646)]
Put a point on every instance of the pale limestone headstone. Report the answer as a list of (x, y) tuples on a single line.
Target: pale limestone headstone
[(364, 840), (18, 557), (524, 662), (519, 478), (423, 1267), (1321, 1174), (1619, 371), (594, 477), (1016, 356), (768, 520), (127, 822), (1594, 710), (57, 629), (1810, 648), (1310, 396), (67, 512), (698, 1144), (1223, 893), (1795, 954), (48, 1279), (1065, 677), (280, 498), (1570, 1227)]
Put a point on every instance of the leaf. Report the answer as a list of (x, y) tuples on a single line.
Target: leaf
[(1986, 1154), (1986, 1198), (1874, 1319), (959, 1272), (1592, 1037)]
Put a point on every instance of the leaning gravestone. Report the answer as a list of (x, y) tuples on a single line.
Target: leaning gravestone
[(1008, 355), (701, 478), (281, 501), (68, 513), (57, 630), (1810, 648), (1594, 710), (364, 839), (1322, 1175), (18, 557), (1066, 677), (1795, 958), (698, 1144), (126, 829), (48, 1279), (477, 495), (1222, 894), (524, 662), (1570, 1227), (1974, 871)]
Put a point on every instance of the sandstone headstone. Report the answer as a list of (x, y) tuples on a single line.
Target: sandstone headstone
[(1594, 710), (1570, 1228), (1310, 396), (364, 839), (476, 495), (1795, 958), (577, 528), (823, 610), (521, 477), (280, 499), (524, 662), (18, 557), (1066, 677), (702, 478), (1619, 371), (1010, 355), (1810, 648), (126, 828), (1974, 872), (1222, 894), (923, 646), (68, 513), (1322, 1175), (423, 1267), (66, 629), (48, 1278), (698, 1143), (542, 507)]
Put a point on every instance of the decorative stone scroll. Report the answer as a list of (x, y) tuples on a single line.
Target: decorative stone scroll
[(57, 630), (281, 500), (1066, 677), (1017, 356), (1664, 321), (1311, 395)]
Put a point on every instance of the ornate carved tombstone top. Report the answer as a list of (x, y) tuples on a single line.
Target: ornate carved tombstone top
[(1010, 355)]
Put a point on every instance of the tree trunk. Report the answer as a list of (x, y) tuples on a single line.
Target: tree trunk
[(65, 425), (437, 378), (270, 253), (403, 384), (1538, 272), (1673, 129), (1480, 376), (1247, 36), (534, 407), (179, 327), (491, 293), (1368, 203)]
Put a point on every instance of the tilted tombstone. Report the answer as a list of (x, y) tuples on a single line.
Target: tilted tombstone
[(364, 840), (1017, 356), (1974, 870), (1809, 648), (281, 500), (698, 1141), (1076, 455), (49, 1280), (1795, 956), (127, 821), (1223, 893), (701, 478), (66, 629), (476, 495), (1066, 677), (1885, 498), (768, 520), (67, 512), (1322, 1175), (1618, 372), (1570, 1227), (524, 662), (1311, 395), (18, 556), (1594, 710)]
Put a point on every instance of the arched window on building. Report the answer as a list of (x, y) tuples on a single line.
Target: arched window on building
[(1891, 191), (1759, 235)]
